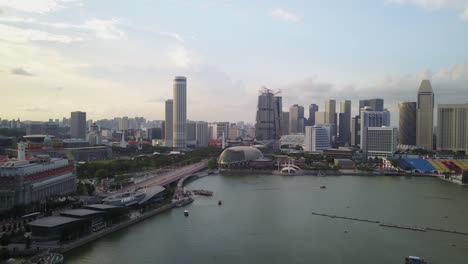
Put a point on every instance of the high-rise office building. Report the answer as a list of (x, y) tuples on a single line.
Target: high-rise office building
[(320, 118), (222, 128), (124, 124), (371, 119), (179, 113), (202, 134), (375, 104), (285, 123), (296, 119), (313, 108), (317, 138), (269, 115), (78, 125), (407, 123), (345, 122), (330, 110), (425, 116), (381, 141), (168, 128), (356, 131), (452, 127), (191, 131)]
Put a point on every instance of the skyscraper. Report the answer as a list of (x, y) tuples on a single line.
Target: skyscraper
[(330, 110), (179, 112), (313, 108), (168, 124), (202, 134), (407, 123), (285, 123), (356, 131), (452, 127), (124, 124), (78, 125), (269, 115), (375, 104), (370, 119), (296, 119), (425, 116), (345, 122)]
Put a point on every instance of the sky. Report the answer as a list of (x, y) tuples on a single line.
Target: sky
[(115, 58)]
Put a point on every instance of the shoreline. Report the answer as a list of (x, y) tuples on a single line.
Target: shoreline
[(324, 173)]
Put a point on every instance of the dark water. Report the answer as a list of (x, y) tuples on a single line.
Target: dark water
[(267, 219)]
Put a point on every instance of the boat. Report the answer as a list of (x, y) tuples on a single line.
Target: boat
[(220, 202), (414, 260), (323, 187), (186, 212)]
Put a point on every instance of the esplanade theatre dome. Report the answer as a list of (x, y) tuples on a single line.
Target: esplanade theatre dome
[(239, 155)]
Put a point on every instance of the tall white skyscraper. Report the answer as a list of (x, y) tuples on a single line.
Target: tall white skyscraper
[(179, 112), (425, 116), (168, 124)]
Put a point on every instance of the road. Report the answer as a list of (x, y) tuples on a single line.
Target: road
[(169, 176)]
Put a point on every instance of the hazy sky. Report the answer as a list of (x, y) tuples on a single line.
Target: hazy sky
[(115, 57)]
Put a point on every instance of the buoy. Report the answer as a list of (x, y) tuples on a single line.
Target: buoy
[(220, 202)]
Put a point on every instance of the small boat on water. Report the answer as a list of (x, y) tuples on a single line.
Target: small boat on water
[(414, 260), (186, 212), (323, 187), (220, 202)]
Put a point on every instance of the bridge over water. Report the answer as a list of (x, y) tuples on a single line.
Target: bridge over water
[(165, 177)]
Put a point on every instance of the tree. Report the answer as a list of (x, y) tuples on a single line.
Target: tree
[(212, 164), (101, 174)]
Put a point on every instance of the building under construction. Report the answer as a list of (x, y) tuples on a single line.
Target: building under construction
[(269, 115)]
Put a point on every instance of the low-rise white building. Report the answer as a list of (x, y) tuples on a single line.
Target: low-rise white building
[(381, 141)]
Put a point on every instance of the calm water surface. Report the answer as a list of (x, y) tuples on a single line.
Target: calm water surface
[(267, 219)]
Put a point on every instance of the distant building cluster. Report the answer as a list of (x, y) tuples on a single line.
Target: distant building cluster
[(370, 131)]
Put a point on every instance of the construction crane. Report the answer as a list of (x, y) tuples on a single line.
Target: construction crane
[(264, 90)]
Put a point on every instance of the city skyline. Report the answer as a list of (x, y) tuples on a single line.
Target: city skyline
[(63, 56)]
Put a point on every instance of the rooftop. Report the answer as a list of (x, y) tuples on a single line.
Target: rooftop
[(53, 221), (80, 212), (101, 206)]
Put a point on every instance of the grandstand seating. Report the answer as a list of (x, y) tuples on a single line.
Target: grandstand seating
[(418, 164), (452, 166), (461, 164), (439, 166)]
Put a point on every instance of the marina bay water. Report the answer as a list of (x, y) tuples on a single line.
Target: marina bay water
[(268, 219)]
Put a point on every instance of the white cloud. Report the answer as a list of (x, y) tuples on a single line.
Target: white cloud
[(36, 6), (180, 57), (285, 15), (20, 35), (104, 29), (465, 14)]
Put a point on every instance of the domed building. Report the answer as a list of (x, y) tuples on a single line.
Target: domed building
[(239, 156)]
